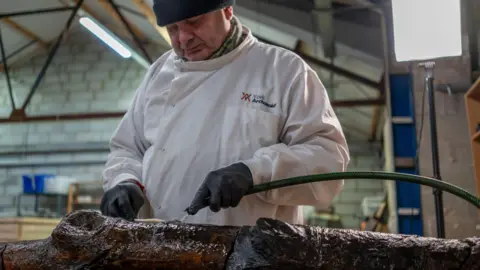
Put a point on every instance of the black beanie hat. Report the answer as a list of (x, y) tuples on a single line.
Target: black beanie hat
[(172, 11)]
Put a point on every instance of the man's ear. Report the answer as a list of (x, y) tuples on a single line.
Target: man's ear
[(228, 11)]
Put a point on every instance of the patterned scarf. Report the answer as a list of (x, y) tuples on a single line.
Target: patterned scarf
[(234, 38)]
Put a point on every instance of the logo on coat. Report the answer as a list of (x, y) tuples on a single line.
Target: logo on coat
[(257, 99)]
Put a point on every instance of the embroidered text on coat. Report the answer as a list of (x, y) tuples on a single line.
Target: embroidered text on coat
[(257, 99)]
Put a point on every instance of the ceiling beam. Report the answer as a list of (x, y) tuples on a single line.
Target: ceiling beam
[(110, 10), (25, 32), (346, 2), (358, 102), (285, 20), (306, 6), (352, 128), (324, 26), (328, 66), (42, 45), (377, 114), (20, 59), (375, 121), (50, 56), (20, 115), (119, 31), (150, 15), (86, 11), (36, 12)]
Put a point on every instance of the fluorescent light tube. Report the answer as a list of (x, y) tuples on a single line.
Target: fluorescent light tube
[(426, 29), (102, 34)]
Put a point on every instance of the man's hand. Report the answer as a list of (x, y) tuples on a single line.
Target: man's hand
[(123, 200), (222, 188)]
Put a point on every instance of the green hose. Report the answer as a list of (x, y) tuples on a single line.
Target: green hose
[(427, 181)]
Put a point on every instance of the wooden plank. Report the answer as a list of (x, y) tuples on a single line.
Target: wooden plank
[(26, 228), (150, 15), (472, 102), (25, 32), (106, 5), (119, 31), (8, 232)]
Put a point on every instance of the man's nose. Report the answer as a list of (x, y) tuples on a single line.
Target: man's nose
[(185, 37)]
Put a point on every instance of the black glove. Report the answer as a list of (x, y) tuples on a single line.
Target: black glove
[(222, 188), (123, 200)]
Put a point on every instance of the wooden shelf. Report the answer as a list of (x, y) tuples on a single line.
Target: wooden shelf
[(476, 137), (24, 228), (472, 102), (476, 74), (474, 93), (85, 195)]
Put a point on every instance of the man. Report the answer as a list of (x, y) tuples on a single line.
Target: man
[(219, 113)]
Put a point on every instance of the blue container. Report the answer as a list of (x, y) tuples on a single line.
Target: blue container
[(35, 184)]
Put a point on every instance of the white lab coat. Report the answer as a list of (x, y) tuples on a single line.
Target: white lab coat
[(259, 104)]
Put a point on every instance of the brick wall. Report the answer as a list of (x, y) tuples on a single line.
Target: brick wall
[(84, 76), (87, 76)]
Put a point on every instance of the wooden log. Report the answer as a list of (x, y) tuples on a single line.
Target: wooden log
[(87, 240), (273, 244)]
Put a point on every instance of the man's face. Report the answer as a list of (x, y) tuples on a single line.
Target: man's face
[(199, 37)]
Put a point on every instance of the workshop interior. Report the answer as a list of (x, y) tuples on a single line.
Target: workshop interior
[(403, 78)]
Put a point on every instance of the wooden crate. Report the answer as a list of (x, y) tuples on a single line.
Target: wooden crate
[(472, 100), (85, 195), (20, 229)]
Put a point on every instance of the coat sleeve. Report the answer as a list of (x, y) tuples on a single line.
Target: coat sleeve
[(128, 143), (312, 142)]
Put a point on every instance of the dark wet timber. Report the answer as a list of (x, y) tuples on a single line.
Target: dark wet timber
[(87, 240)]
